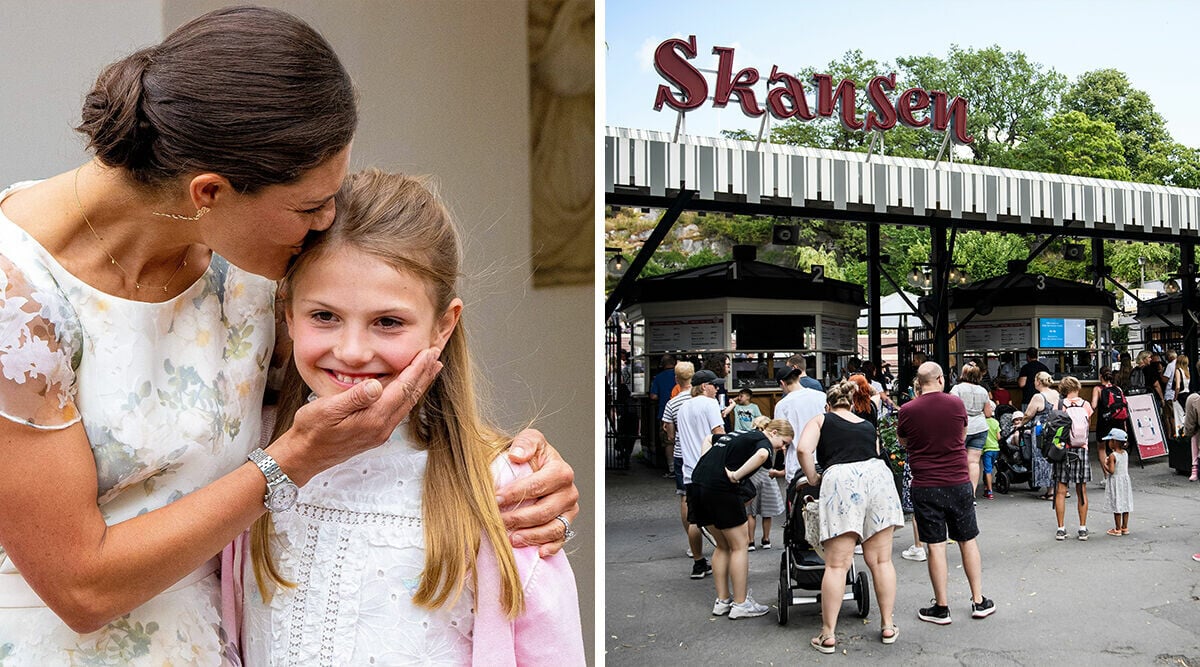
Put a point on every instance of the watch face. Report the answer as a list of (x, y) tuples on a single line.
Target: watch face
[(283, 497)]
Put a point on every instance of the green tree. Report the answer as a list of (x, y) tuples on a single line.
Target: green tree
[(1107, 94), (1170, 163), (986, 256), (1010, 96), (1073, 143), (1161, 261)]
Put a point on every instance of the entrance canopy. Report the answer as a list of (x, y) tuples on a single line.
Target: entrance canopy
[(645, 168)]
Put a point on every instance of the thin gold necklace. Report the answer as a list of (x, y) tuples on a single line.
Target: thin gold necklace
[(138, 285)]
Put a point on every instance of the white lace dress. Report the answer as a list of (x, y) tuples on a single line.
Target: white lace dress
[(355, 548), (170, 395)]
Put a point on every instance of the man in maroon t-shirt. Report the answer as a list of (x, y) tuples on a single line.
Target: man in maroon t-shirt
[(933, 428)]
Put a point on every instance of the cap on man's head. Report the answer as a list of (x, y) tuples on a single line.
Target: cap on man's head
[(706, 377), (1116, 434)]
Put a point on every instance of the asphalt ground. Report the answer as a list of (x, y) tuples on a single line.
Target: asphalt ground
[(1131, 600)]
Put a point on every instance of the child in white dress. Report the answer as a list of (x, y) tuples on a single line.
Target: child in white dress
[(1119, 490), (397, 556)]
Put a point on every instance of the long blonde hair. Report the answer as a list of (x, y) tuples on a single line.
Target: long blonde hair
[(395, 218)]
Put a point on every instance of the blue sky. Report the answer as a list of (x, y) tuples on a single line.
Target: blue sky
[(1155, 42)]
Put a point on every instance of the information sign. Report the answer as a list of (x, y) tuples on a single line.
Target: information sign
[(690, 334), (1147, 428)]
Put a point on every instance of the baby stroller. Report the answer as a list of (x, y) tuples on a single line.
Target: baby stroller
[(1014, 464), (801, 569)]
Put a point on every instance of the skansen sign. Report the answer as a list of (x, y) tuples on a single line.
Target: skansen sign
[(786, 97)]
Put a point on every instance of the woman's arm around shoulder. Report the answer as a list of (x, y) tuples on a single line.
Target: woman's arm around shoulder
[(552, 483)]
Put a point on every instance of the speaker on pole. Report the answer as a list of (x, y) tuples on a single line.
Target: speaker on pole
[(785, 234), (1074, 252)]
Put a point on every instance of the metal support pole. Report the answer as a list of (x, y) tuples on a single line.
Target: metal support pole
[(625, 284), (1187, 280), (1098, 262), (941, 337), (874, 317)]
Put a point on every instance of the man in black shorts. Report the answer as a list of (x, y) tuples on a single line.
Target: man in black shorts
[(933, 428)]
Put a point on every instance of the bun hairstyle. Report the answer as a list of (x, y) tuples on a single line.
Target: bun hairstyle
[(251, 93), (1045, 379), (841, 395)]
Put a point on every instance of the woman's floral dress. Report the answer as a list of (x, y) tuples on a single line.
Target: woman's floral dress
[(170, 396)]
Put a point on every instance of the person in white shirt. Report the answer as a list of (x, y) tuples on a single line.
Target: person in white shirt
[(798, 406), (697, 419)]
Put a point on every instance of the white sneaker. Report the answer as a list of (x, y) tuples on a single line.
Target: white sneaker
[(747, 609), (689, 553), (914, 553), (721, 607)]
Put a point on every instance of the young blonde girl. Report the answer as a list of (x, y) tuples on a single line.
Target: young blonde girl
[(397, 556)]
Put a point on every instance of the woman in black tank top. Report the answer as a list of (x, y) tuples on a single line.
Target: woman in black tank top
[(858, 503)]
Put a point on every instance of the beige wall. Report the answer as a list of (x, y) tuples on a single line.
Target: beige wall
[(443, 89)]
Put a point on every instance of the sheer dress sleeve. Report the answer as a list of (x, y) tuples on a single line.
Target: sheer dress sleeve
[(40, 344)]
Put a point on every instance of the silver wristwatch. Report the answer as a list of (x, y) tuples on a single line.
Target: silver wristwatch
[(281, 491)]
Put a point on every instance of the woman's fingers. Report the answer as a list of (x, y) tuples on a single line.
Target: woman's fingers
[(554, 476), (549, 536), (530, 446)]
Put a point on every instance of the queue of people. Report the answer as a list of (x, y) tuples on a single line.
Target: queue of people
[(953, 441)]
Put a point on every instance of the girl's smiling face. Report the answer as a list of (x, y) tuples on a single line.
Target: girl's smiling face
[(352, 317)]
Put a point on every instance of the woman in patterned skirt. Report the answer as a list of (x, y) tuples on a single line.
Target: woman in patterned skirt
[(858, 504)]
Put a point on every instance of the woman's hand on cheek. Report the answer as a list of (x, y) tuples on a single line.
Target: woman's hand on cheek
[(334, 428), (552, 484)]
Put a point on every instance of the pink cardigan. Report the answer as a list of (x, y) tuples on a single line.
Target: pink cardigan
[(547, 632)]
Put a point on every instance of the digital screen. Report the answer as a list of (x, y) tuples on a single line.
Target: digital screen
[(1062, 332)]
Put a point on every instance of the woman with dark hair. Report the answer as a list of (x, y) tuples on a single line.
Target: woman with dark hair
[(721, 366), (136, 326), (858, 504), (1109, 406)]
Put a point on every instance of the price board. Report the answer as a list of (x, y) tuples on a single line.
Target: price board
[(689, 334), (838, 334), (995, 336)]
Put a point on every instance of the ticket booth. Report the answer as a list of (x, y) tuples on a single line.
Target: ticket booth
[(1161, 322), (1069, 324), (757, 313)]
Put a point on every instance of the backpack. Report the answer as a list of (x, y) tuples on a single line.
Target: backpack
[(1079, 422), (1056, 433), (1112, 404)]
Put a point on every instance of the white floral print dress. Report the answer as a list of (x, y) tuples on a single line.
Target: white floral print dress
[(355, 548), (170, 396)]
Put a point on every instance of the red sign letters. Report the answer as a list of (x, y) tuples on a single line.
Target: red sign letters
[(786, 96)]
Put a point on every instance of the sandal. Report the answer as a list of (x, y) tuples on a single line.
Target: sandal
[(1114, 532), (889, 628), (1124, 531), (818, 643)]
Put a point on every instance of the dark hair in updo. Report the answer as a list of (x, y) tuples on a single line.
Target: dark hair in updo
[(251, 93)]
